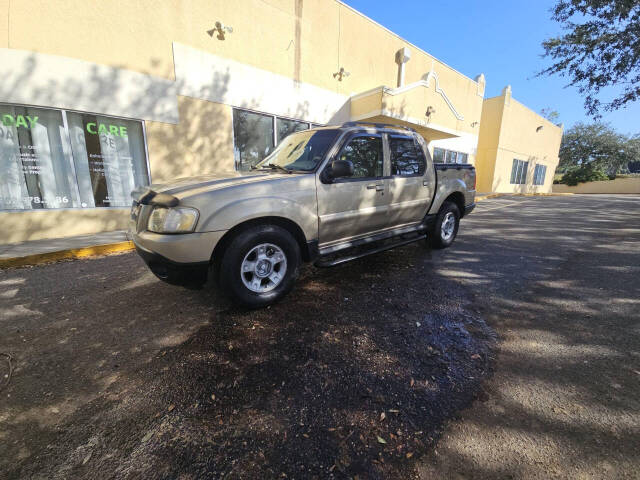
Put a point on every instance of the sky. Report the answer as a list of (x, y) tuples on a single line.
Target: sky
[(499, 38)]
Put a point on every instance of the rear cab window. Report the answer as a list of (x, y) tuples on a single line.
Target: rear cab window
[(407, 158)]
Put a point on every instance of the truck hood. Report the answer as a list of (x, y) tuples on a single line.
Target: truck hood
[(214, 182)]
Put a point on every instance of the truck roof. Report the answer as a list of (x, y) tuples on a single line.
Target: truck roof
[(381, 126)]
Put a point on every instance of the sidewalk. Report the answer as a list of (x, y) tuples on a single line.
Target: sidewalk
[(50, 250)]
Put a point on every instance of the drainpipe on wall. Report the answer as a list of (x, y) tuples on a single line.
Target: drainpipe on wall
[(402, 56)]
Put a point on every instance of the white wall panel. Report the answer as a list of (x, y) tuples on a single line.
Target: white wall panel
[(53, 81), (209, 77)]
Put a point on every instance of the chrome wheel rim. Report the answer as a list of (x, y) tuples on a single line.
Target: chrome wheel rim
[(448, 226), (263, 268)]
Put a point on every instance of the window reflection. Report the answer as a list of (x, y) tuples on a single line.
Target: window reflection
[(406, 158), (286, 127), (253, 137), (110, 158), (365, 152), (96, 162)]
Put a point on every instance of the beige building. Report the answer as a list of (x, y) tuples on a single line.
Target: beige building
[(517, 148), (98, 98)]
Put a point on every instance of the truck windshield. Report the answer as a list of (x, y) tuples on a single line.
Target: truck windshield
[(300, 152)]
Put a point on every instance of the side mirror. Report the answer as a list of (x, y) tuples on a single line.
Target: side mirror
[(341, 168)]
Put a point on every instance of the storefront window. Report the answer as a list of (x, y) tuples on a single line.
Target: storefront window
[(285, 127), (109, 157), (256, 134), (96, 162), (441, 155), (253, 137), (35, 165)]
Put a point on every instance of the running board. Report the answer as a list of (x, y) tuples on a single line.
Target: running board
[(332, 263), (397, 232)]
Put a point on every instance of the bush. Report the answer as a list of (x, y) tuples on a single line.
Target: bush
[(583, 174)]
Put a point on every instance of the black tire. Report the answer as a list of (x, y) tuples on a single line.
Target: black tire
[(437, 238), (230, 274)]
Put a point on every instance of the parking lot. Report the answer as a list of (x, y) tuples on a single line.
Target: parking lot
[(513, 353)]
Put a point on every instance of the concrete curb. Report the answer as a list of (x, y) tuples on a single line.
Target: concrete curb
[(557, 194), (48, 257), (480, 198)]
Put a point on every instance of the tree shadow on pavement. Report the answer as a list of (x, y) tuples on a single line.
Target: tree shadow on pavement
[(354, 373), (558, 282)]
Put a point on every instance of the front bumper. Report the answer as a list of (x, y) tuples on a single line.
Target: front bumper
[(184, 274), (180, 259), (194, 247)]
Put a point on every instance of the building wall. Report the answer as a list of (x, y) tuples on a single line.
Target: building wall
[(306, 41), (58, 223), (618, 185), (159, 61), (509, 130), (189, 148), (489, 137)]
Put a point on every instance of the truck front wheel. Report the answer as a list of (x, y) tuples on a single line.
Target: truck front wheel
[(446, 226), (260, 265)]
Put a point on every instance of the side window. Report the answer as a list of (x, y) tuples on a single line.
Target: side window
[(519, 172), (406, 158), (365, 152), (538, 174)]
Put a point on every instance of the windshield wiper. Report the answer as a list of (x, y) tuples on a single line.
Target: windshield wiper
[(273, 166)]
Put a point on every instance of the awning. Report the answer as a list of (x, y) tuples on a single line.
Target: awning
[(422, 106)]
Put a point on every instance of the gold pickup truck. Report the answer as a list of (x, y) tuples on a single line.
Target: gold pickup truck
[(326, 195)]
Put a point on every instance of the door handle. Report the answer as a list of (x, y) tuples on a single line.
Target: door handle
[(378, 188), (425, 183)]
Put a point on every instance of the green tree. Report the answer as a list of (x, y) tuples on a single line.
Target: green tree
[(634, 146), (600, 47), (583, 173), (551, 115), (597, 145)]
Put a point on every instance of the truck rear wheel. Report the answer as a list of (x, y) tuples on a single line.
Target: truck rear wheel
[(260, 265), (446, 226)]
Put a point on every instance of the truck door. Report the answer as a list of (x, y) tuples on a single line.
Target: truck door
[(354, 206), (411, 183)]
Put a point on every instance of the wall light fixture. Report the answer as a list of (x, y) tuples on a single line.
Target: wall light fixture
[(222, 30), (341, 73)]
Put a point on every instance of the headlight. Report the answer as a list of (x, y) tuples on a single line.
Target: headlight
[(173, 220)]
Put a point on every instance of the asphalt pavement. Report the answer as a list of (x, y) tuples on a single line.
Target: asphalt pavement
[(513, 354)]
